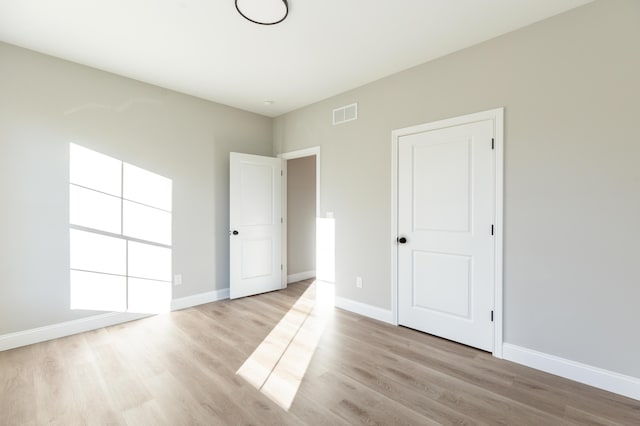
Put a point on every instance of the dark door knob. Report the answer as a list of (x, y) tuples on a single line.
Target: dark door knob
[(402, 240), (235, 232)]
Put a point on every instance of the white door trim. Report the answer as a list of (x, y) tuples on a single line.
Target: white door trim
[(497, 116), (290, 156)]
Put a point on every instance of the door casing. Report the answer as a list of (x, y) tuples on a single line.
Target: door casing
[(290, 156), (497, 116)]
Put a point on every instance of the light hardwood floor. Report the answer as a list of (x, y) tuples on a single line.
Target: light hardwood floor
[(239, 362)]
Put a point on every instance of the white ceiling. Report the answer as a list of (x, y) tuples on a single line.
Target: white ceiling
[(204, 48)]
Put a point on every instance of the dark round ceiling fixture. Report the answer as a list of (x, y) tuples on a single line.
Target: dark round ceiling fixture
[(262, 12)]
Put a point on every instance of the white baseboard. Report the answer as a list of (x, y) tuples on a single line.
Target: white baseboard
[(54, 331), (67, 328), (294, 278), (593, 376), (370, 311), (199, 299)]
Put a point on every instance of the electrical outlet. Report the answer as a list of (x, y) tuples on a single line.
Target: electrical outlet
[(359, 282), (177, 279)]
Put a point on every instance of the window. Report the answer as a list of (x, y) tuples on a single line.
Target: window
[(120, 235)]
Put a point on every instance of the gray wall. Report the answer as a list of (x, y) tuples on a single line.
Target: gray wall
[(301, 215), (45, 103), (570, 87)]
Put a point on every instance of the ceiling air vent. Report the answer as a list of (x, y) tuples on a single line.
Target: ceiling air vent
[(345, 113)]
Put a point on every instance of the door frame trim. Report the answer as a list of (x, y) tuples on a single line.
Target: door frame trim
[(497, 116), (291, 155)]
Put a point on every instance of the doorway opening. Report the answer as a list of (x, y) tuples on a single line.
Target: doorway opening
[(306, 236), (301, 219)]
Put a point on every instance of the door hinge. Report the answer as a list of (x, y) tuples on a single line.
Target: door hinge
[(281, 220), (281, 173), (281, 267), (493, 143), (491, 316), (491, 229)]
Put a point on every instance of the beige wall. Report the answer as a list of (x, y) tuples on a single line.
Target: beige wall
[(570, 87), (301, 215), (45, 103)]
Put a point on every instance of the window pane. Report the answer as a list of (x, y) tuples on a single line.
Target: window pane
[(98, 253), (146, 187), (147, 261), (149, 296), (94, 210), (98, 292), (147, 223), (94, 170)]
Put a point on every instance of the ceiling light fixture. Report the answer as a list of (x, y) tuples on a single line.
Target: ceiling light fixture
[(263, 12)]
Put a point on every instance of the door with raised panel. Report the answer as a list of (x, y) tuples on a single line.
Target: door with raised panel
[(445, 218), (255, 220)]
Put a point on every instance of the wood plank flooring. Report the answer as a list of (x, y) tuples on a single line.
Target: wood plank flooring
[(274, 360)]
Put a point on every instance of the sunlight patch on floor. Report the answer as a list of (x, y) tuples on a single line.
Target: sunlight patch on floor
[(279, 363)]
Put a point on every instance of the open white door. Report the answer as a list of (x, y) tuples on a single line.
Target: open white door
[(255, 219)]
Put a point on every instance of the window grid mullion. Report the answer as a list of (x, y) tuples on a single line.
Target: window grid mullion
[(126, 249), (97, 272), (118, 236), (121, 198)]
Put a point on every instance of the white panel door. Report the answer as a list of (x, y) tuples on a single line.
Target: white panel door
[(446, 213), (255, 220)]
